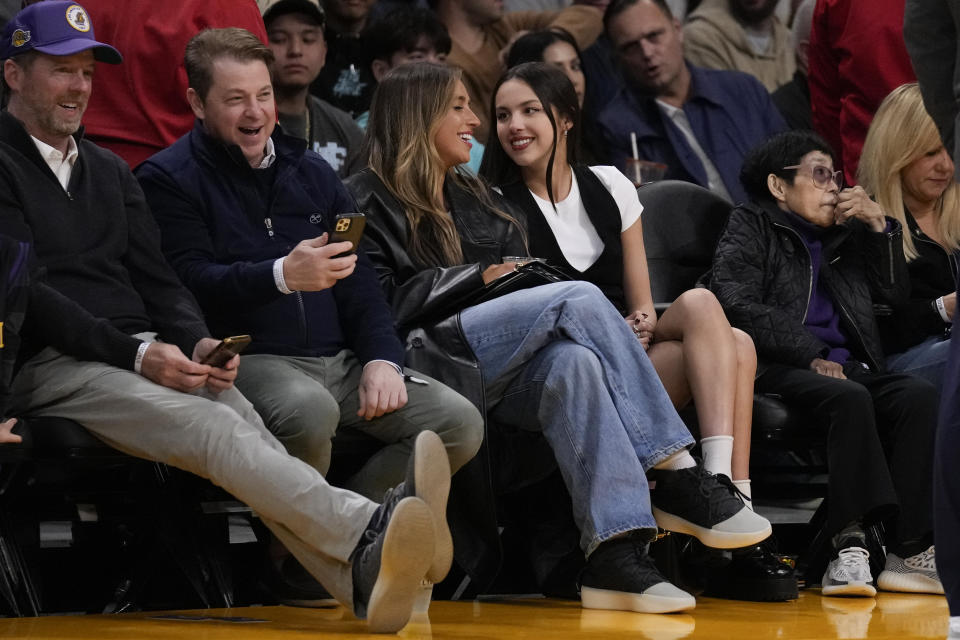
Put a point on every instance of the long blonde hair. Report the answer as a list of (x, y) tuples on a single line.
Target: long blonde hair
[(901, 132), (407, 108)]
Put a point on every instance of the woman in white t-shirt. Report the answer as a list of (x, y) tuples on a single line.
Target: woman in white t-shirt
[(587, 220)]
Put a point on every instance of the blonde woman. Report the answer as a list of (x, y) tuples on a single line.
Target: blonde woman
[(906, 168), (557, 358)]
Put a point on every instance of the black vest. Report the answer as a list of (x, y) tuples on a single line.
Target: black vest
[(604, 214)]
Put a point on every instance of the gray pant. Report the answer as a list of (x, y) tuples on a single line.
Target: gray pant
[(303, 401), (220, 438)]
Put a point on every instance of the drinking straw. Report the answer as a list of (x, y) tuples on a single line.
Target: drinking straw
[(633, 145)]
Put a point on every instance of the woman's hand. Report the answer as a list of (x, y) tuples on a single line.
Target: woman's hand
[(855, 203), (643, 325), (950, 304), (494, 271), (827, 368)]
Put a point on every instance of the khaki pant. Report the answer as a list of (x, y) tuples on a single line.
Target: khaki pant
[(221, 439), (303, 402)]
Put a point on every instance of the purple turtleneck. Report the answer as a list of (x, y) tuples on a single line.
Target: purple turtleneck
[(822, 319)]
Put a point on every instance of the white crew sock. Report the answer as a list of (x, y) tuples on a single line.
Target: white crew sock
[(717, 453), (955, 624), (744, 487), (680, 460)]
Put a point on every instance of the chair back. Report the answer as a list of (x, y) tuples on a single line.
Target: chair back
[(682, 223)]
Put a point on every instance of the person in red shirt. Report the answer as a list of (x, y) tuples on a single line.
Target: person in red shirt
[(141, 108), (856, 57)]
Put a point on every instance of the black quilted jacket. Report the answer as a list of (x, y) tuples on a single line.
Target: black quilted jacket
[(763, 278)]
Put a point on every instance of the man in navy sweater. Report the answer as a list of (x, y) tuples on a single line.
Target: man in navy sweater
[(245, 214), (135, 377)]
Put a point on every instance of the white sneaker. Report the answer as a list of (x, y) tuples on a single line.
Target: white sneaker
[(916, 574), (849, 574)]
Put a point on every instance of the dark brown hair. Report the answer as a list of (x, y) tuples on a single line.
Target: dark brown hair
[(211, 44)]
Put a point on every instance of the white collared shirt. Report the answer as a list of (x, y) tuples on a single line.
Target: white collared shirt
[(269, 156), (62, 166)]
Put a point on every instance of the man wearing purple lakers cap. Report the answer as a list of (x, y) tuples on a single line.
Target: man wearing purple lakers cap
[(135, 375)]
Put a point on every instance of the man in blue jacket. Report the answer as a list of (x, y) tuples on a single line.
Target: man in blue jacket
[(699, 122), (245, 214)]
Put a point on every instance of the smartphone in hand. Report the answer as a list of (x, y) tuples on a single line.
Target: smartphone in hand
[(348, 227), (223, 352)]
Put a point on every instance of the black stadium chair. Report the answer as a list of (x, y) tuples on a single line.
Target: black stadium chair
[(117, 512)]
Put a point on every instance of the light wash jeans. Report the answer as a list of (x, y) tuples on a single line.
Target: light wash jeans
[(925, 360), (564, 361)]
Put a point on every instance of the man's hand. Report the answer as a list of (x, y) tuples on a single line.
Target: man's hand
[(381, 390), (166, 365), (220, 378), (643, 326), (6, 432), (312, 267), (855, 203), (495, 271), (827, 368)]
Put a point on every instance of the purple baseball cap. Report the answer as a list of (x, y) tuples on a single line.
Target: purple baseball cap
[(56, 28)]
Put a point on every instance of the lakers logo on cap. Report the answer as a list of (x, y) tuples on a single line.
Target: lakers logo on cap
[(20, 37), (77, 18), (342, 225)]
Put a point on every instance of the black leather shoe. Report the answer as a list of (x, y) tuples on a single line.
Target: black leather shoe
[(756, 573)]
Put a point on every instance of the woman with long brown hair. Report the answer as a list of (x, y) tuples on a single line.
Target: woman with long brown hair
[(557, 358)]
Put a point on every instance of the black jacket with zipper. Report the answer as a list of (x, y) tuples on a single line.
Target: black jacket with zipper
[(99, 249), (224, 224), (763, 278), (933, 273), (423, 299)]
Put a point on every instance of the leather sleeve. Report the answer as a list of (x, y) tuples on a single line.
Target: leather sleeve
[(415, 293), (884, 262)]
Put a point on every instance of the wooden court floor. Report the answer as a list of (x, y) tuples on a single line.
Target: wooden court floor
[(812, 616)]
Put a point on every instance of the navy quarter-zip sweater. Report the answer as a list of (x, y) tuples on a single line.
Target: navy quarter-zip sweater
[(224, 224)]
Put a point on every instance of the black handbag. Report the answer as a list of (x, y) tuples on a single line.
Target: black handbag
[(532, 274)]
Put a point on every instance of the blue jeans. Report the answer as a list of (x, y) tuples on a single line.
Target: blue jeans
[(925, 360), (561, 359)]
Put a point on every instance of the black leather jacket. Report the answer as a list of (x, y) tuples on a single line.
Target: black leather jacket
[(763, 278), (421, 297), (933, 273)]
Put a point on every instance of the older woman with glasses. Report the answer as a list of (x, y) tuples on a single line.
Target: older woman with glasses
[(798, 268)]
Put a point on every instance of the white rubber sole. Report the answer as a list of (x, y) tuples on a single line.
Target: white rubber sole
[(592, 598), (408, 550), (712, 537), (861, 589), (432, 477), (908, 583)]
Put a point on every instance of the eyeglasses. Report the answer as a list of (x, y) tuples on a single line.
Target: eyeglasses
[(822, 175)]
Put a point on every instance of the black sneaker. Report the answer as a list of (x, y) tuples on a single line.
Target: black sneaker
[(428, 478), (387, 569), (706, 506), (757, 573), (621, 576), (390, 560)]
